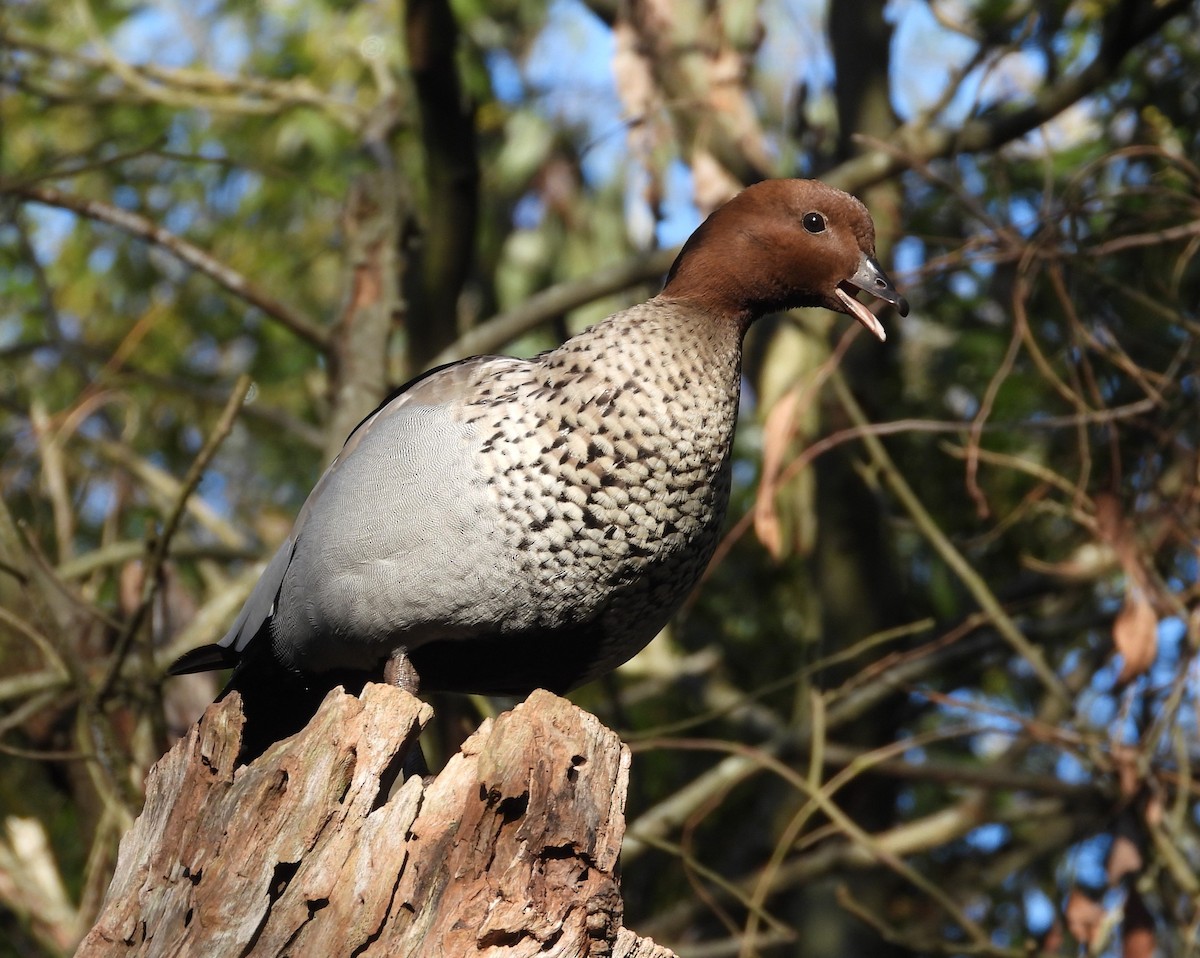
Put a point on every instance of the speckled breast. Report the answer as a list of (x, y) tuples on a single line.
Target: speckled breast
[(610, 497)]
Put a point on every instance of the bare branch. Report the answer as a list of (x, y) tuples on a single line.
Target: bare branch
[(922, 142), (952, 556), (186, 252), (912, 145), (555, 301), (185, 87), (162, 541)]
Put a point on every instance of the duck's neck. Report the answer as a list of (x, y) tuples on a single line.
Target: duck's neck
[(675, 362), (693, 334)]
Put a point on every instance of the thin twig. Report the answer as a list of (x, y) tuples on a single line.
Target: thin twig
[(868, 843), (982, 510), (926, 141), (950, 555), (188, 87), (49, 652), (669, 813), (160, 546), (897, 426), (165, 488), (1154, 238), (186, 252), (554, 302)]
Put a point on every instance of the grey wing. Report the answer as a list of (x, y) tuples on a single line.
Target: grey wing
[(351, 482), (260, 605)]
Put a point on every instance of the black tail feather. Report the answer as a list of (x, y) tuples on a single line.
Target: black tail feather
[(279, 701), (207, 658)]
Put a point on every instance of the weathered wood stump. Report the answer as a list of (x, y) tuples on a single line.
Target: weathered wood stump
[(316, 849)]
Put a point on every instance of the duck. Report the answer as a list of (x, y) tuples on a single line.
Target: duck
[(503, 524)]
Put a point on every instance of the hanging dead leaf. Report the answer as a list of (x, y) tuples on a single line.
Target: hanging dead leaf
[(1124, 858), (1153, 812), (1138, 943), (632, 75), (648, 130), (712, 184), (1135, 630), (730, 101), (559, 183), (778, 431), (1083, 914), (1135, 635), (1115, 530), (129, 586)]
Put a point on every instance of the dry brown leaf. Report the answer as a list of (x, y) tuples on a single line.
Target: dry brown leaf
[(1124, 858), (727, 79), (129, 586), (1154, 810), (1116, 531), (655, 16), (632, 75), (1138, 943), (712, 184), (730, 100), (559, 183), (1083, 915), (1138, 938), (1135, 630), (777, 439), (1135, 634), (648, 130)]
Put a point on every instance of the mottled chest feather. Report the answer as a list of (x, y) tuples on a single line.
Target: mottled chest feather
[(605, 467)]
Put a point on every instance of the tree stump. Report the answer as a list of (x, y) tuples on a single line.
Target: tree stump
[(316, 849)]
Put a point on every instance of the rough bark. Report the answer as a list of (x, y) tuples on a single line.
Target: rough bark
[(316, 848)]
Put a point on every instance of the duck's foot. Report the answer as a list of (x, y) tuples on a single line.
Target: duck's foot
[(399, 671)]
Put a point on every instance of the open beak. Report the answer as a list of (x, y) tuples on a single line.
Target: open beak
[(874, 280)]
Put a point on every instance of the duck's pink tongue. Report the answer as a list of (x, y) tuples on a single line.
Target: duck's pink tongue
[(862, 314)]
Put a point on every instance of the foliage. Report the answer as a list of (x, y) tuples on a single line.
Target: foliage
[(938, 694)]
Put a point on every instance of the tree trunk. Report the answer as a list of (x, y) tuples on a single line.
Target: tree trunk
[(316, 848)]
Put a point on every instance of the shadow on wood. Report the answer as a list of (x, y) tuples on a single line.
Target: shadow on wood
[(316, 849)]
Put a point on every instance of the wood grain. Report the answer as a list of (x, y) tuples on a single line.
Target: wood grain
[(316, 848)]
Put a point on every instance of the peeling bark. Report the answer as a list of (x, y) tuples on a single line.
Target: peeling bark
[(316, 848)]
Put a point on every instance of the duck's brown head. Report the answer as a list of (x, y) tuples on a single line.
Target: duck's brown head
[(780, 244)]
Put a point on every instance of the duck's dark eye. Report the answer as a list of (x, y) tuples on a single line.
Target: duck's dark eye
[(814, 222)]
